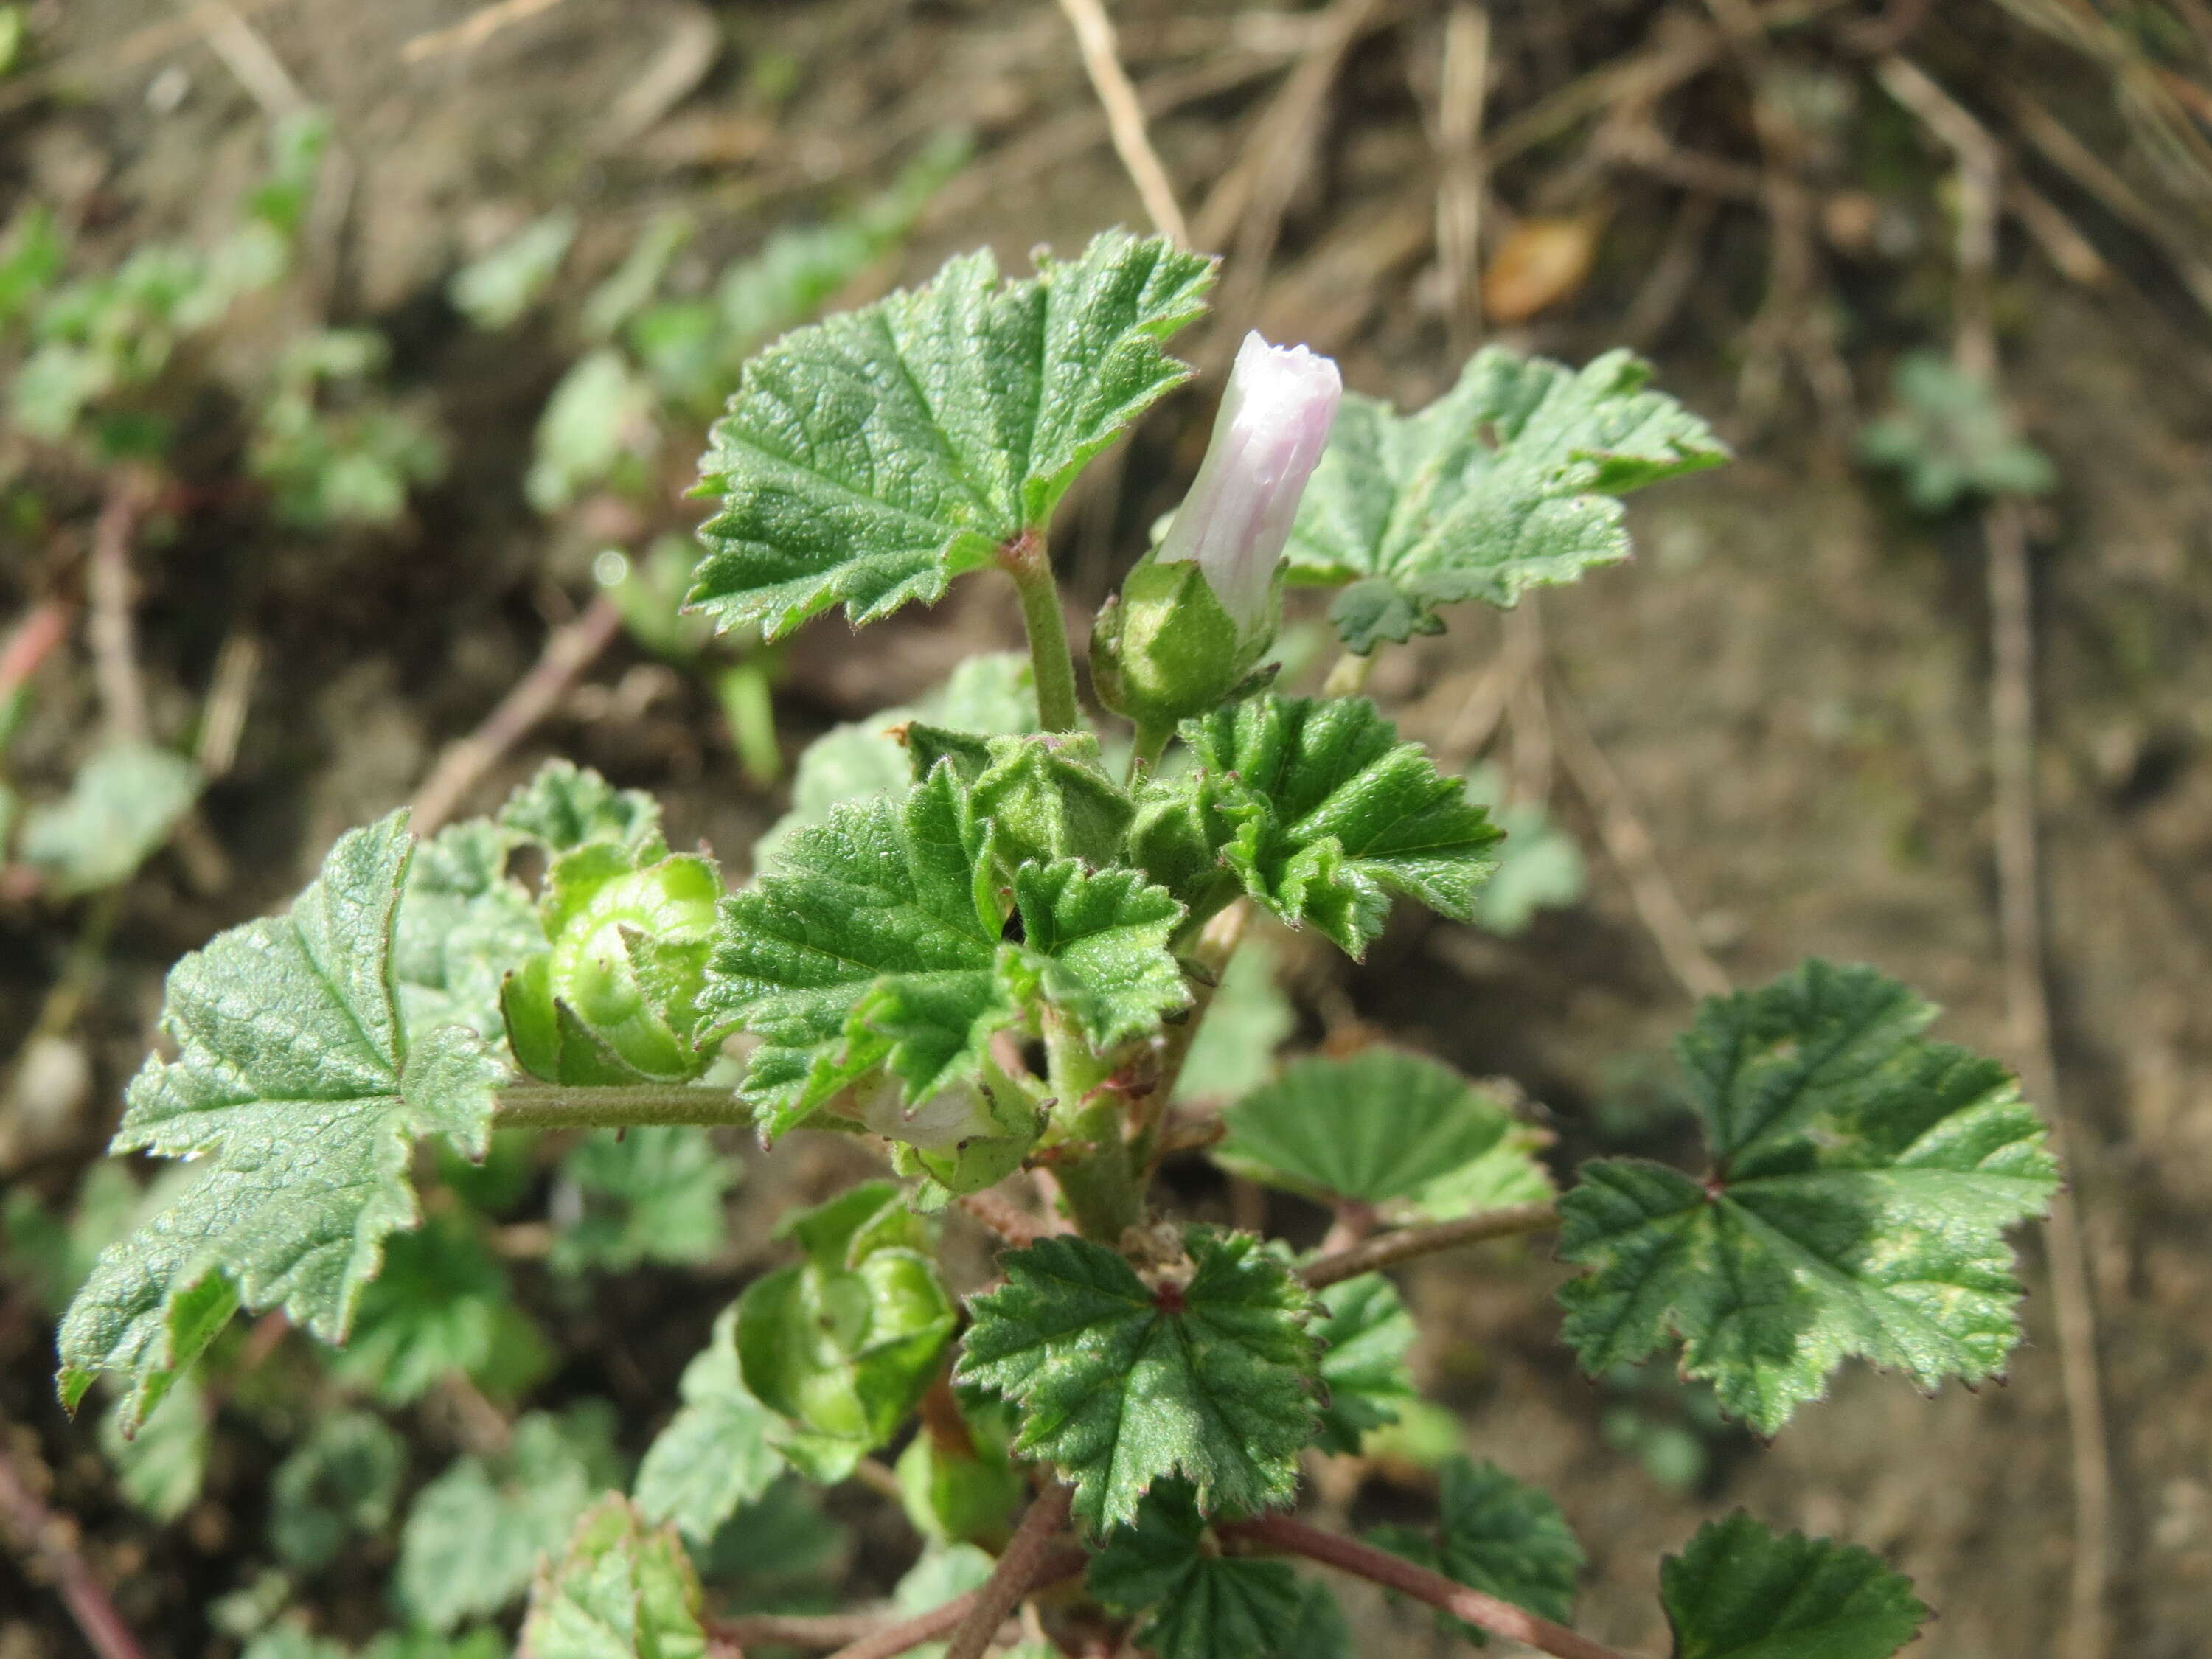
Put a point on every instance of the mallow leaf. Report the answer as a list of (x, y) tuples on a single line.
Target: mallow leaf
[(881, 946), (463, 924), (295, 1083), (441, 1305), (653, 1193), (1862, 1179), (1738, 1591), (1498, 1535), (1313, 807), (565, 805), (1363, 1334), (338, 1483), (1121, 1382), (1380, 1124), (121, 805), (1505, 482), (1197, 1603), (162, 1462), (873, 457), (622, 1590), (715, 1456)]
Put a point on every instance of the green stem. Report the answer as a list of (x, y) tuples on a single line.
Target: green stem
[(1347, 675), (1152, 742), (1051, 665), (559, 1106)]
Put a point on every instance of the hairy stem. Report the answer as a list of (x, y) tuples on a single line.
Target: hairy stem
[(1051, 665), (560, 1106), (1283, 1532), (1015, 1574), (1407, 1242), (1347, 675), (1152, 742), (883, 1641)]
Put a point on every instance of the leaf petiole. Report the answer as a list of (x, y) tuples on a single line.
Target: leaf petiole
[(558, 1106), (1026, 559)]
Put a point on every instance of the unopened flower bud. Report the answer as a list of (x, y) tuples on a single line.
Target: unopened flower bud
[(1197, 614)]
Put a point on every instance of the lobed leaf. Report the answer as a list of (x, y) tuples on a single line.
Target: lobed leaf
[(1122, 1383), (1364, 1334), (1196, 1602), (622, 1590), (1503, 483), (463, 924), (715, 1456), (295, 1083), (1738, 1591), (1313, 807), (1500, 1536), (565, 805), (340, 1482), (121, 805), (1862, 1180), (649, 1194), (873, 457)]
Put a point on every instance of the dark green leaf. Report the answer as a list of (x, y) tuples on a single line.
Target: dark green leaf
[(874, 456), (1197, 1603), (338, 1483), (654, 1194), (1498, 1536), (441, 1305), (1121, 1382), (296, 1084), (1739, 1591), (1862, 1180), (1503, 483), (1364, 1333)]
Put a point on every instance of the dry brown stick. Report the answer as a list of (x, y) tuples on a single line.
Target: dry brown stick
[(111, 60), (571, 649), (1125, 118), (2012, 765), (1404, 1243), (43, 1537), (1016, 1573), (1463, 84), (473, 30), (1631, 848), (109, 588), (248, 57), (1287, 1533)]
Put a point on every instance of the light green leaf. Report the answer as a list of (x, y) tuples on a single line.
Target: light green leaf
[(1316, 809), (1121, 1382), (645, 1194), (55, 1251), (988, 695), (161, 1462), (1952, 438), (1363, 1334), (1320, 1631), (1197, 1603), (441, 1305), (1503, 483), (873, 457), (340, 1483), (565, 805), (493, 292), (879, 943), (715, 1456), (599, 426), (474, 1534), (1540, 867), (621, 1590), (463, 924), (1382, 1124), (956, 1482), (1739, 1591), (1495, 1535), (295, 1082), (1510, 1173), (1862, 1180), (121, 806)]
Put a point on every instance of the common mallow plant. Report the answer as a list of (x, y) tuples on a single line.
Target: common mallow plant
[(985, 947)]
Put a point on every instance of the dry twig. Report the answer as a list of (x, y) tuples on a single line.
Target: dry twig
[(45, 1538), (1464, 83), (248, 57), (1125, 118), (110, 589), (473, 30)]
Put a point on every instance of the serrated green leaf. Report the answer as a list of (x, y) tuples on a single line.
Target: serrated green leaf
[(715, 1456), (876, 948), (121, 805), (871, 458), (783, 1545), (1510, 1173), (1319, 1630), (1364, 1333), (565, 805), (475, 1533), (1197, 1603), (1122, 1383), (463, 924), (1381, 1124), (1049, 798), (339, 1483), (161, 1462), (957, 1481), (1498, 1535), (1503, 483), (1862, 1180), (988, 695), (654, 1194), (1316, 809), (295, 1083), (1738, 1591), (441, 1305), (622, 1590)]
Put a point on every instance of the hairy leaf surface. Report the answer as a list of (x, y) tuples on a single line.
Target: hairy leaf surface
[(873, 457), (1504, 483), (1122, 1383), (1862, 1180), (1738, 1591), (1197, 1603), (715, 1456), (1364, 1333), (622, 1590), (1500, 1536)]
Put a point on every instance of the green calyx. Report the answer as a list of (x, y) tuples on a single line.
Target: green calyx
[(1165, 650), (615, 998)]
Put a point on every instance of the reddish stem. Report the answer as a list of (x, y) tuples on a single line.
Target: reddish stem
[(939, 1622), (1407, 1242), (1283, 1532), (44, 626), (1013, 1577), (45, 1537)]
